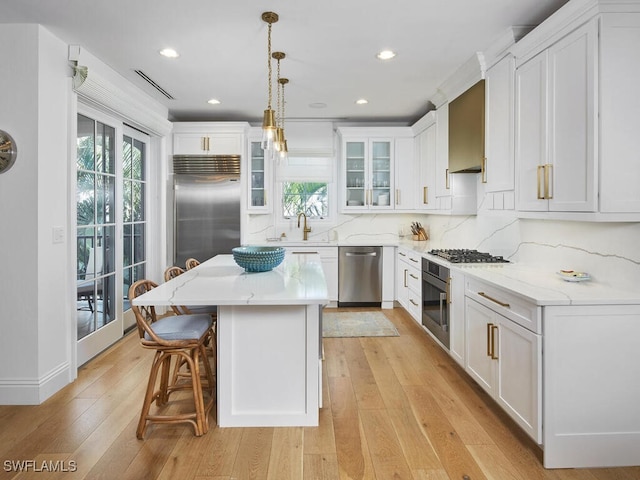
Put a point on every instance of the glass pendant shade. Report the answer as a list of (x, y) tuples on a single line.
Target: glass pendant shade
[(279, 139), (284, 151), (268, 129)]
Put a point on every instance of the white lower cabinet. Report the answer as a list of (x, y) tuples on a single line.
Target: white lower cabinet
[(456, 316), (505, 359), (329, 258), (408, 282)]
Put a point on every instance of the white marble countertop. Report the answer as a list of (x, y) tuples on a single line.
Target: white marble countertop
[(545, 287), (298, 280), (537, 285)]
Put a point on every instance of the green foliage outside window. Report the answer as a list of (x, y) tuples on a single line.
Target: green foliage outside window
[(308, 197)]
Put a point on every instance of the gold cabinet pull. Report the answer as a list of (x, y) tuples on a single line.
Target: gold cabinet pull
[(446, 179), (202, 144), (489, 353), (483, 170), (540, 179), (548, 169), (397, 196), (494, 329), (544, 181), (425, 195), (405, 278), (449, 291), (502, 304)]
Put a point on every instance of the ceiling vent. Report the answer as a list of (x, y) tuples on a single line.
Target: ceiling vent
[(146, 78)]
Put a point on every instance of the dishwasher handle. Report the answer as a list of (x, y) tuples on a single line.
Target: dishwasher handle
[(361, 254)]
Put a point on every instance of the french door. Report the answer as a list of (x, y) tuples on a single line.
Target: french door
[(111, 166)]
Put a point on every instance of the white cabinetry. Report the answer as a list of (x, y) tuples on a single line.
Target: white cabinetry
[(209, 138), (504, 357), (329, 259), (576, 143), (405, 174), (457, 332), (409, 283), (425, 147), (259, 180), (556, 126), (368, 169), (438, 191), (498, 172), (591, 392)]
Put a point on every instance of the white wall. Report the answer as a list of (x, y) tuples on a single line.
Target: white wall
[(34, 316)]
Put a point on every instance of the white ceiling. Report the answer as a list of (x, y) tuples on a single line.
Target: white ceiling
[(330, 47)]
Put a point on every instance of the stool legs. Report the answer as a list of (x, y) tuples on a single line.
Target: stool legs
[(161, 365)]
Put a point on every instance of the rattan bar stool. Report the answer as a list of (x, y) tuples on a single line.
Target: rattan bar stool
[(182, 337)]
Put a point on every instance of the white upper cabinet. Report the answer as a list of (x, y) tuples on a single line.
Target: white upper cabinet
[(426, 154), (619, 113), (439, 191), (368, 169), (555, 142), (577, 148), (405, 174), (499, 165), (209, 138)]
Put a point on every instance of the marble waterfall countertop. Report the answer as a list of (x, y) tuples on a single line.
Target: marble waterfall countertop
[(298, 280)]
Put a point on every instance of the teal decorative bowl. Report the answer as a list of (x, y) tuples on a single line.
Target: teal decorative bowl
[(258, 259)]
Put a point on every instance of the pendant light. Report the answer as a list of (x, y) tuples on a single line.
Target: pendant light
[(284, 151), (279, 138), (269, 118)]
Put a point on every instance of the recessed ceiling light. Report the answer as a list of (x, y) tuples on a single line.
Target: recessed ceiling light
[(386, 54), (362, 101), (169, 53), (214, 101)]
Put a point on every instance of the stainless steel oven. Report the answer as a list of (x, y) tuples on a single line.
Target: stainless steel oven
[(435, 300)]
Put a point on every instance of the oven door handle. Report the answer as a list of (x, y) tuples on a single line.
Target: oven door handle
[(443, 302)]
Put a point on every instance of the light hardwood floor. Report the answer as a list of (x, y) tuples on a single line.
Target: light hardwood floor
[(394, 408)]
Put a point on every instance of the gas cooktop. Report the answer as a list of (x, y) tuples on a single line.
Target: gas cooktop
[(463, 255)]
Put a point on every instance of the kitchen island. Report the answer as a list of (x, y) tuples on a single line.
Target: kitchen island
[(269, 366)]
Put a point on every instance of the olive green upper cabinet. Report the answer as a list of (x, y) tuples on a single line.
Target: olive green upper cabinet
[(577, 147)]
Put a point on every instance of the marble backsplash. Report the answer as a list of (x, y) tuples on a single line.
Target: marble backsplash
[(608, 251)]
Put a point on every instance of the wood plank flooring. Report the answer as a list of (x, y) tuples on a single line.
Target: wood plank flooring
[(394, 408)]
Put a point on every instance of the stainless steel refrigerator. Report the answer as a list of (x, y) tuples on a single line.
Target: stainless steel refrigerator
[(206, 196)]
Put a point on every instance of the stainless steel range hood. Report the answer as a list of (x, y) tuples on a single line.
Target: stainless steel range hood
[(466, 130)]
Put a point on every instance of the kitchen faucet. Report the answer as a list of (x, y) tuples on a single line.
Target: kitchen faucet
[(305, 229)]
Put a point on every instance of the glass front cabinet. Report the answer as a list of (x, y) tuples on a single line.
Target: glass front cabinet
[(258, 180), (367, 174)]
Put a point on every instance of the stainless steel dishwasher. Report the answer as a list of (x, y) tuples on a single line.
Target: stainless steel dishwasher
[(359, 276)]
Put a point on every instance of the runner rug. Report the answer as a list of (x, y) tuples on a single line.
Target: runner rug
[(357, 324)]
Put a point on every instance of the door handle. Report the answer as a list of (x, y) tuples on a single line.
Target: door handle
[(494, 329), (361, 254), (502, 304)]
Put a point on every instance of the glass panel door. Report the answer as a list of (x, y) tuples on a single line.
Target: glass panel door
[(111, 193), (381, 173), (134, 158), (355, 173), (95, 235)]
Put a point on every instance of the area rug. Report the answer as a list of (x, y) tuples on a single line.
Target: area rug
[(357, 324)]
